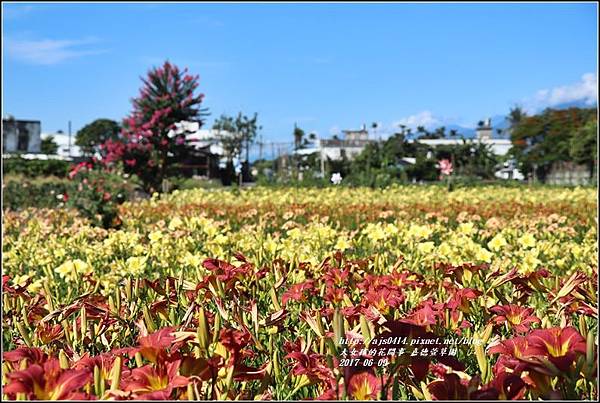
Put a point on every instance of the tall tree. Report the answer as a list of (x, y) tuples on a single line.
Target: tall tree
[(298, 136), (248, 128), (515, 116), (91, 136), (231, 140), (237, 135), (150, 144), (584, 144)]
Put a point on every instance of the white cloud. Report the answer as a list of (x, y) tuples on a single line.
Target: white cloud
[(14, 11), (49, 51), (424, 118), (585, 90)]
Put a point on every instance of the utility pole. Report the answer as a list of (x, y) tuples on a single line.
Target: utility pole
[(320, 142), (69, 138)]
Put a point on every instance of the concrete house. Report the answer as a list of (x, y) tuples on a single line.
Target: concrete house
[(350, 146), (20, 136)]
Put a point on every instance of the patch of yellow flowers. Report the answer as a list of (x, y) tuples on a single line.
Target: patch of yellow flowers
[(170, 235)]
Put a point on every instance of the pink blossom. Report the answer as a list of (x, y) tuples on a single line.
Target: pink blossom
[(445, 167)]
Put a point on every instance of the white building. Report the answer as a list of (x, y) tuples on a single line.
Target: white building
[(499, 147), (353, 143), (201, 138), (66, 147)]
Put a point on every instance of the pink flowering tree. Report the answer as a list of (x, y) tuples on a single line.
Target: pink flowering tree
[(149, 145)]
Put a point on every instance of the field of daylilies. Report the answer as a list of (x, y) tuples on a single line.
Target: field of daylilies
[(406, 293)]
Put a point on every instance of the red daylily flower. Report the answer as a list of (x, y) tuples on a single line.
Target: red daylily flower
[(559, 345), (234, 341), (104, 362), (384, 298), (424, 316), (48, 333), (311, 364), (17, 289), (514, 348), (525, 285), (449, 388), (457, 272), (364, 386), (153, 347), (517, 317), (461, 298), (299, 292), (33, 355), (225, 272), (151, 382), (419, 365), (47, 382), (505, 385), (542, 352)]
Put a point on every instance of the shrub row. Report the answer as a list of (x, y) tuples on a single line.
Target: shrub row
[(35, 168)]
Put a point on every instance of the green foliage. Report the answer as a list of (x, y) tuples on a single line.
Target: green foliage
[(181, 183), (35, 168), (381, 164), (21, 191), (516, 115), (298, 137), (552, 136), (49, 146), (584, 144), (236, 134), (230, 139), (97, 193), (469, 158), (94, 193), (92, 135), (424, 169)]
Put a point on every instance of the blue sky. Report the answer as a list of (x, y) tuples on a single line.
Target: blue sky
[(325, 66)]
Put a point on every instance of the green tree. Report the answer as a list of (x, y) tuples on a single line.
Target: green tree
[(49, 146), (236, 134), (515, 115), (438, 133), (298, 137), (91, 136), (227, 134), (543, 139), (248, 129), (584, 143)]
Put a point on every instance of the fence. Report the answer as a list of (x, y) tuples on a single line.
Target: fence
[(569, 173)]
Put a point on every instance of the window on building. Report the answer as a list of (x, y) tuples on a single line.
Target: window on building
[(22, 139)]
